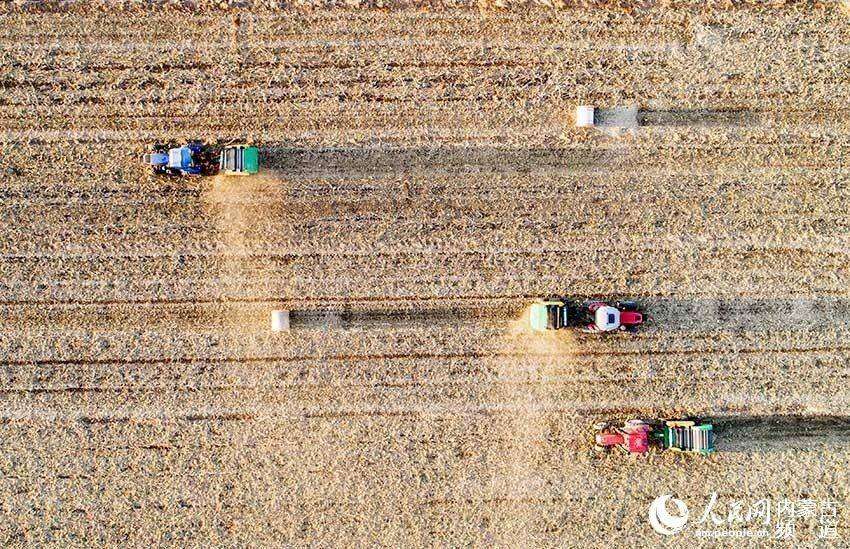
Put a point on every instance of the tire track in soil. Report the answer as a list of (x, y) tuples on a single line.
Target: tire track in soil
[(355, 299), (272, 300), (225, 202), (737, 433), (230, 201), (391, 383), (559, 337)]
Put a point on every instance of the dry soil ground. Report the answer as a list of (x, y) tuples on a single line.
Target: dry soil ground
[(422, 184)]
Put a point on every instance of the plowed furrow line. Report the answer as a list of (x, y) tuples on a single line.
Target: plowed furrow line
[(227, 416), (814, 249), (349, 300), (838, 377), (422, 356)]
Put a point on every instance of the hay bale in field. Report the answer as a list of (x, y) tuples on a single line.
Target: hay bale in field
[(280, 320), (584, 116)]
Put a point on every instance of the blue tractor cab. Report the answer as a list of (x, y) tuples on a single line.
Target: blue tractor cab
[(191, 159), (182, 159)]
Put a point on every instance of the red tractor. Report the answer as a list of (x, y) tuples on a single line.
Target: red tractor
[(632, 437), (608, 318), (592, 317)]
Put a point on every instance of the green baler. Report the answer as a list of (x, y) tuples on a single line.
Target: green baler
[(548, 315), (239, 160), (687, 436)]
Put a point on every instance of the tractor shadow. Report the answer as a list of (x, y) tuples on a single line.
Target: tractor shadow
[(780, 433), (739, 315), (367, 161)]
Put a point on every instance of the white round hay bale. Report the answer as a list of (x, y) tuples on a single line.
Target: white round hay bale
[(584, 116), (280, 320)]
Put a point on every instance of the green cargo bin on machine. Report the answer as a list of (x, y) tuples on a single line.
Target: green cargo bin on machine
[(239, 160)]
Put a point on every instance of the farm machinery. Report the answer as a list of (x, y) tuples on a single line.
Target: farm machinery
[(239, 160), (636, 436), (590, 317), (199, 159)]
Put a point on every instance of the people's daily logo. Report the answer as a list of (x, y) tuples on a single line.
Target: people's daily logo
[(734, 518), (660, 518)]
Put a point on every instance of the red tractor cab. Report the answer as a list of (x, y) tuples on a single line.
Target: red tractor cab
[(609, 318), (632, 437)]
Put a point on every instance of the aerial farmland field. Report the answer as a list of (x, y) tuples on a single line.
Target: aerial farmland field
[(422, 183)]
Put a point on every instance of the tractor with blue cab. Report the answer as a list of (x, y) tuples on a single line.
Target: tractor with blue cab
[(196, 158)]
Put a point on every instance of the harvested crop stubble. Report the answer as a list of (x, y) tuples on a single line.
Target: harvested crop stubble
[(422, 184)]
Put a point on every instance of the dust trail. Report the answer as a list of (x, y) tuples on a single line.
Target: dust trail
[(235, 206), (238, 210), (516, 469), (227, 198)]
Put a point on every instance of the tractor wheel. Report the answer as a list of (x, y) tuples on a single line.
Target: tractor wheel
[(601, 426), (626, 305)]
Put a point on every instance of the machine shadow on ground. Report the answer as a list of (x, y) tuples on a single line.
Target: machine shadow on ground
[(661, 314), (745, 314), (780, 433), (345, 161)]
